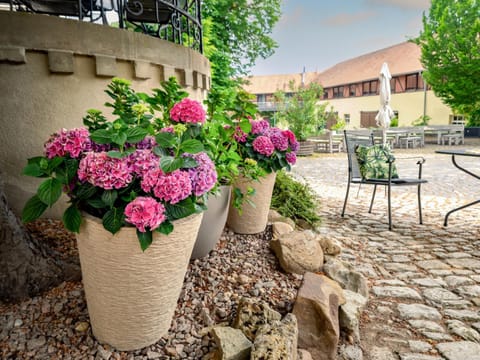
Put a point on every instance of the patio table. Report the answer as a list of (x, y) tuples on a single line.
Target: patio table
[(463, 152)]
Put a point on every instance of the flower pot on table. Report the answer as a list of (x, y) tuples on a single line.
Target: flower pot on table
[(253, 219), (213, 223), (132, 295)]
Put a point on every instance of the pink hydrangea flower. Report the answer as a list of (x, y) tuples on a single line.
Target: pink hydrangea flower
[(143, 160), (291, 158), (103, 171), (147, 143), (145, 212), (279, 140), (168, 129), (204, 175), (68, 142), (172, 187), (188, 111), (259, 127), (239, 135), (263, 145), (290, 136)]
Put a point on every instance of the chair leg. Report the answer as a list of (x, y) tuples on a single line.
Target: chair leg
[(346, 198), (419, 203), (389, 208), (373, 198)]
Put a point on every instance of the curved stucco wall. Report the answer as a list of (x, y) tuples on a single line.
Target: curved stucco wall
[(52, 70)]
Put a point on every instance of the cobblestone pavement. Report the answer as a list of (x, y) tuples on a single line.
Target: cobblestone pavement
[(424, 279)]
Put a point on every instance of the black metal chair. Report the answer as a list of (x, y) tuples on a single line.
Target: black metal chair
[(355, 138)]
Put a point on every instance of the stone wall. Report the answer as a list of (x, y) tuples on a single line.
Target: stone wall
[(52, 70)]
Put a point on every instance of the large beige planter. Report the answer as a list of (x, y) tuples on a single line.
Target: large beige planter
[(213, 222), (253, 218), (132, 295)]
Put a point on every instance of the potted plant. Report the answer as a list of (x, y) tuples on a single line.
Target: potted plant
[(263, 150), (136, 186)]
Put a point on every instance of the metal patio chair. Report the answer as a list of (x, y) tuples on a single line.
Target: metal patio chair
[(353, 139)]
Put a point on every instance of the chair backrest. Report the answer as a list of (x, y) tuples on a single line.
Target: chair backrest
[(353, 138)]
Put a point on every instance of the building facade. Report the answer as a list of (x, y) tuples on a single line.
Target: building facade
[(351, 87)]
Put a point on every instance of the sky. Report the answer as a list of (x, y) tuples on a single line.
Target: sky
[(317, 34)]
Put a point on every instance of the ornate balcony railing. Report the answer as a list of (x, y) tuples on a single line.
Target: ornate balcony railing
[(177, 21)]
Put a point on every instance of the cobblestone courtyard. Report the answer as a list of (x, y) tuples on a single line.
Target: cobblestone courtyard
[(424, 279)]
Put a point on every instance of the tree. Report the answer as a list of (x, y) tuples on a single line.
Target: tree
[(300, 110), (27, 267), (450, 45), (236, 34)]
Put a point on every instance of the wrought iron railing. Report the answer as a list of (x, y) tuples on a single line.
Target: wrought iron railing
[(178, 21)]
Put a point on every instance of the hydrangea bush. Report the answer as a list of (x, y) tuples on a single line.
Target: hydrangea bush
[(145, 168)]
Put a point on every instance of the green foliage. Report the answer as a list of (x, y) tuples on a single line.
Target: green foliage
[(450, 47), (301, 111), (394, 122), (339, 125), (295, 200), (422, 120)]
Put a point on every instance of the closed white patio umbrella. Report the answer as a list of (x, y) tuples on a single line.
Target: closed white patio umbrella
[(385, 114)]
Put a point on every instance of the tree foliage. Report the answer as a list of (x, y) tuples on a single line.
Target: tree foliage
[(450, 45), (299, 109), (236, 34)]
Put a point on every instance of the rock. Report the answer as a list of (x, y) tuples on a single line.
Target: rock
[(329, 246), (298, 253), (252, 314), (103, 353), (350, 352), (418, 311), (316, 309), (280, 228), (82, 326), (459, 350), (349, 314), (401, 292), (459, 328), (348, 279), (276, 341), (274, 216), (232, 344), (36, 343), (304, 225), (303, 354)]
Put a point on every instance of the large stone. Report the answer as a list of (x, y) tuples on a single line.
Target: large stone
[(459, 350), (401, 292), (252, 314), (274, 216), (303, 354), (276, 341), (460, 329), (350, 312), (298, 253), (232, 344), (280, 228), (418, 311), (347, 278), (316, 309), (328, 245)]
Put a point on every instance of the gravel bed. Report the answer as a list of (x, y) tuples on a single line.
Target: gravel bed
[(55, 325)]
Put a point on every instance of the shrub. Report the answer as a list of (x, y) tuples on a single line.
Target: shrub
[(294, 199)]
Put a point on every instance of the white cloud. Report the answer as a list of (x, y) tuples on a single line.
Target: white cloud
[(402, 4)]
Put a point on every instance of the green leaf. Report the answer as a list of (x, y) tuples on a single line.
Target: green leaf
[(145, 239), (109, 197), (85, 191), (33, 170), (169, 163), (191, 146), (246, 126), (33, 209), (115, 154), (72, 218), (165, 139), (113, 220), (189, 162), (101, 136), (96, 203), (49, 191), (157, 150), (54, 163), (119, 138), (134, 135), (165, 227), (180, 210)]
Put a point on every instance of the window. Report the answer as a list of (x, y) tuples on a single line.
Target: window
[(457, 119), (338, 92), (412, 82), (370, 87), (261, 98), (346, 117), (325, 94), (352, 90)]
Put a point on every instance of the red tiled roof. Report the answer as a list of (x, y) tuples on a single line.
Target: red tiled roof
[(402, 58)]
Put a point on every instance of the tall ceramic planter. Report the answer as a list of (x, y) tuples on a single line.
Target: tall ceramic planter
[(213, 222), (254, 218), (132, 295)]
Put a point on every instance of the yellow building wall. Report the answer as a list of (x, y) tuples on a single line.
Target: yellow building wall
[(410, 106)]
